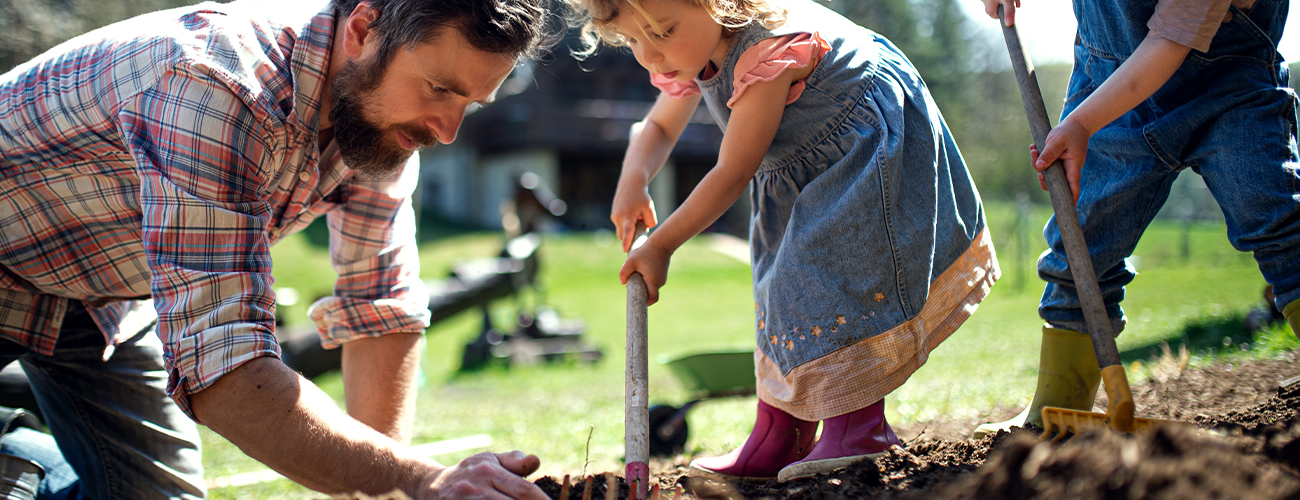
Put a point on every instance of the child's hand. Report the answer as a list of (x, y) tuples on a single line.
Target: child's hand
[(1067, 142), (991, 8), (651, 261), (630, 206)]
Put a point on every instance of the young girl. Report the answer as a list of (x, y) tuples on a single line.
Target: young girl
[(867, 236)]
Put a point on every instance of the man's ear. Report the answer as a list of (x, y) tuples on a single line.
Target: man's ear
[(357, 32)]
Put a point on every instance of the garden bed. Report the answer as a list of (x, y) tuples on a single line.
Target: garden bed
[(1247, 445)]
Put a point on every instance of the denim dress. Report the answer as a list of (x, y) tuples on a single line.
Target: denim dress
[(1226, 114), (861, 207)]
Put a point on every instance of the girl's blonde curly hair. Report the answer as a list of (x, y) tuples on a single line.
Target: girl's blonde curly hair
[(597, 18)]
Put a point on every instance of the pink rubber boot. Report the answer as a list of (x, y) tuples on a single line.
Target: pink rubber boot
[(845, 439), (777, 440)]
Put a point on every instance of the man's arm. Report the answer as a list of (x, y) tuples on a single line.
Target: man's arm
[(281, 419), (379, 377), (373, 250)]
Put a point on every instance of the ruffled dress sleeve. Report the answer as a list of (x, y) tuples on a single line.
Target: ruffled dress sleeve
[(768, 58), (674, 88)]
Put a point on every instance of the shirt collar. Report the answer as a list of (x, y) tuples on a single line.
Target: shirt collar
[(310, 64)]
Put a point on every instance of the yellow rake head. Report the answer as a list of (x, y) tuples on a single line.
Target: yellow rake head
[(1118, 416), (1059, 422)]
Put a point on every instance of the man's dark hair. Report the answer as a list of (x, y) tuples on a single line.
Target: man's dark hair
[(519, 28)]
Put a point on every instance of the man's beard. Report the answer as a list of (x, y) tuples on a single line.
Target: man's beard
[(367, 149)]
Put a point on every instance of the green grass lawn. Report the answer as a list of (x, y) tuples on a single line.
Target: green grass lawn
[(572, 415)]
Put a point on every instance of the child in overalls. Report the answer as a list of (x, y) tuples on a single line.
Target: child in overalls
[(1159, 87), (867, 237)]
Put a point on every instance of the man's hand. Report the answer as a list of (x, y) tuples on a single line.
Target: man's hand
[(486, 475), (1068, 142), (651, 261), (991, 8), (632, 204)]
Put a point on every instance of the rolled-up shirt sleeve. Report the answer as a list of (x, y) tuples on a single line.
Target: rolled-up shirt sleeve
[(201, 153), (373, 250), (1191, 23)]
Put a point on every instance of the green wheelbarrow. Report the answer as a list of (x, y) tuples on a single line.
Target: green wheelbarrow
[(706, 375)]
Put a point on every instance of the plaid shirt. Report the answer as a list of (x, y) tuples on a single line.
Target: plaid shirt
[(159, 158)]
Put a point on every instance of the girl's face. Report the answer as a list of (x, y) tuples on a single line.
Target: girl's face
[(689, 39)]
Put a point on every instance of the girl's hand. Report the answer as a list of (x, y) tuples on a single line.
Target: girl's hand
[(631, 204), (1067, 142), (651, 261), (991, 8)]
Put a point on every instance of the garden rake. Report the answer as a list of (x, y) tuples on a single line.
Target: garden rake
[(1119, 413)]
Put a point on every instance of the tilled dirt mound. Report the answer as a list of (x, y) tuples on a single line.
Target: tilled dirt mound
[(1246, 445)]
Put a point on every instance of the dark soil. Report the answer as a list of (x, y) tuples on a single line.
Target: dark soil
[(1246, 444)]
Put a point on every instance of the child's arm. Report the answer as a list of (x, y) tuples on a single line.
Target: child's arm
[(754, 120), (647, 150), (1155, 60)]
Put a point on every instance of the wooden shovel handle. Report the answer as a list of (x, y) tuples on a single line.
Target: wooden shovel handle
[(1121, 410), (636, 396), (1067, 219)]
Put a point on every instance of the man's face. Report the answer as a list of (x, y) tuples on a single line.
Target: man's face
[(381, 115)]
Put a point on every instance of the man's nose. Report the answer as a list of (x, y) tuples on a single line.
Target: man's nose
[(446, 124)]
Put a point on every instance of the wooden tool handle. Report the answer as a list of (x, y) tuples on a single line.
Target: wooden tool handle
[(1067, 219), (636, 397)]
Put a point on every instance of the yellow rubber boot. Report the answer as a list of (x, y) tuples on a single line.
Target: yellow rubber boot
[(1292, 313), (1068, 377)]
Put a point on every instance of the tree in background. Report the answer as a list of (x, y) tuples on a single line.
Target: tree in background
[(971, 80)]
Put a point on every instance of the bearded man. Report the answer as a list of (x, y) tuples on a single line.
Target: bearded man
[(149, 165)]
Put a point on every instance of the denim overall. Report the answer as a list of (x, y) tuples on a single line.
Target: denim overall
[(861, 200), (1226, 114)]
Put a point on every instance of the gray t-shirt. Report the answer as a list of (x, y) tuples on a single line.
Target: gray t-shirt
[(1192, 22)]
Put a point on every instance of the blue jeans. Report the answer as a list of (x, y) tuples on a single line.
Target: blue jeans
[(118, 435), (1227, 115)]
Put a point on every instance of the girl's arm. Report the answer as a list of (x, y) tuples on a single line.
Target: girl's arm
[(754, 120), (1155, 60), (647, 150)]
